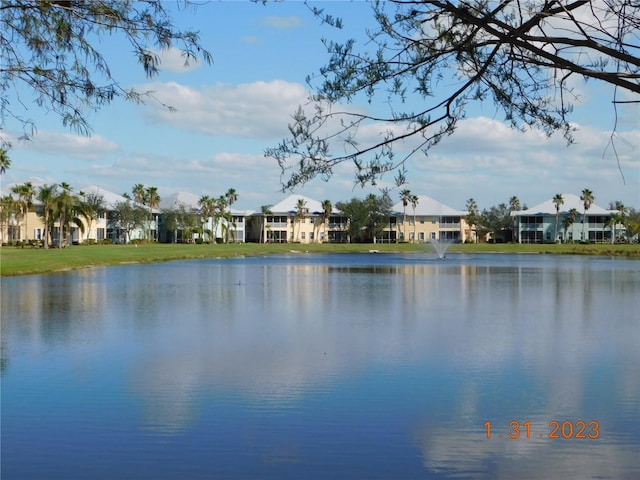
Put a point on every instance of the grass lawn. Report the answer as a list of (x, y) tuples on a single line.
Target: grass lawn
[(26, 261)]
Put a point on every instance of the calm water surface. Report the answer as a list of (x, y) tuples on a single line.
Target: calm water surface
[(331, 366)]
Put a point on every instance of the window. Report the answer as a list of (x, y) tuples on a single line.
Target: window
[(421, 236), (421, 219), (302, 235), (311, 236), (531, 220), (100, 234)]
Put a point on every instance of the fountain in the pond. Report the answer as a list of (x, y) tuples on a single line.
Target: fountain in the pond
[(440, 246)]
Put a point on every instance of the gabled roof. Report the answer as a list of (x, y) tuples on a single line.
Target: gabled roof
[(187, 199), (428, 207), (570, 201), (192, 201), (110, 198), (290, 205)]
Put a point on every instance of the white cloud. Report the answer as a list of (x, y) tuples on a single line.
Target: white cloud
[(258, 109), (283, 22), (65, 144), (252, 40), (489, 161), (173, 60)]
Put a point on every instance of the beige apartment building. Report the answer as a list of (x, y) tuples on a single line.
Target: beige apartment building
[(300, 219), (303, 220), (429, 221)]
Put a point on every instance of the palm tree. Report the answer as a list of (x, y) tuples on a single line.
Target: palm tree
[(206, 210), (264, 210), (153, 201), (139, 193), (47, 195), (619, 217), (94, 206), (220, 207), (472, 217), (587, 200), (232, 197), (68, 208), (5, 161), (405, 197), (414, 203), (301, 209), (613, 222), (326, 214), (7, 210), (573, 215), (24, 203), (557, 201), (514, 206)]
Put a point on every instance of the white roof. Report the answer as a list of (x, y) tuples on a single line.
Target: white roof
[(290, 205), (109, 197), (428, 207), (570, 201), (192, 201), (187, 199)]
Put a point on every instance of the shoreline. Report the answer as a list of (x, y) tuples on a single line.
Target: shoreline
[(19, 262)]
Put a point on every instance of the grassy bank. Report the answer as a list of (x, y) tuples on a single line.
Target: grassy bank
[(17, 261)]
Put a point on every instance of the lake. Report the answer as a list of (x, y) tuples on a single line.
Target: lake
[(377, 366)]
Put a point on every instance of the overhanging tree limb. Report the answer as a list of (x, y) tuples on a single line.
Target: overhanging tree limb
[(50, 47), (519, 55)]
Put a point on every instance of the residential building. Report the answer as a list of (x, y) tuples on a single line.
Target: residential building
[(188, 225), (106, 227), (430, 220), (299, 219), (538, 223), (30, 226)]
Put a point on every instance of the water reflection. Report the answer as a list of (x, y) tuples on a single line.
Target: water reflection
[(353, 365)]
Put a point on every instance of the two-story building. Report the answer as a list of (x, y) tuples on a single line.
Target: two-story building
[(538, 224), (181, 220), (299, 219), (430, 220)]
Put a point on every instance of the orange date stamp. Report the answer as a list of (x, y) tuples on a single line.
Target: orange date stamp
[(567, 429)]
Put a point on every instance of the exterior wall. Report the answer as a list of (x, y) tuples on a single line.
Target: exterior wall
[(286, 228), (425, 228), (27, 227), (31, 227), (235, 231), (541, 229)]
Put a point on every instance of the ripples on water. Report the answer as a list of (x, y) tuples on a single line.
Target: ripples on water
[(332, 366)]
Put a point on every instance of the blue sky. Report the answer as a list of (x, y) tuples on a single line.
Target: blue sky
[(228, 113)]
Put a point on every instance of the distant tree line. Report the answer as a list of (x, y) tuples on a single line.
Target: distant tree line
[(62, 209)]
